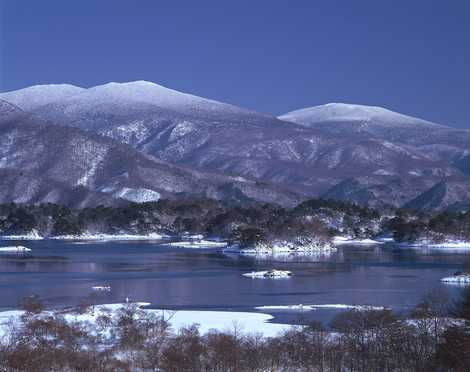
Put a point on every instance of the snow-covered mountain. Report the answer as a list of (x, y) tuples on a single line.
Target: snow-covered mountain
[(313, 152), (349, 119), (31, 98), (446, 195), (353, 114), (42, 162)]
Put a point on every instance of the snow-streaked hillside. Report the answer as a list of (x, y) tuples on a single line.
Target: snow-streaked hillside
[(41, 162), (398, 155)]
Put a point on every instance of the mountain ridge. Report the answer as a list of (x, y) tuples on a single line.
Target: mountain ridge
[(393, 156)]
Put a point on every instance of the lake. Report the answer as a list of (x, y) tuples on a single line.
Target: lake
[(63, 273)]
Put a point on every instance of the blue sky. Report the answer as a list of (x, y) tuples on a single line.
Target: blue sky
[(271, 56)]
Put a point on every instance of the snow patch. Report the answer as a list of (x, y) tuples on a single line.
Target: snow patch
[(139, 195)]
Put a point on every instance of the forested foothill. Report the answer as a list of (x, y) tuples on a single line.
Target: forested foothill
[(245, 223)]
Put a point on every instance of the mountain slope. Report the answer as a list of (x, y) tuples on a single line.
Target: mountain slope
[(74, 160), (349, 119), (36, 96), (443, 196), (398, 155)]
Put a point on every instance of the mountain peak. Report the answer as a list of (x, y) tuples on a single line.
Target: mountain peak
[(353, 114), (35, 96)]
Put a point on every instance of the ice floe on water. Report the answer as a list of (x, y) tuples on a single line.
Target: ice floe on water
[(302, 307), (102, 288), (207, 320), (109, 237), (15, 249), (298, 307), (198, 244), (269, 274), (339, 240), (193, 237)]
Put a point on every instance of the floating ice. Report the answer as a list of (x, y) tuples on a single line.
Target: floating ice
[(16, 248), (271, 274)]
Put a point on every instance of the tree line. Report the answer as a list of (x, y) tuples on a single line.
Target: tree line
[(246, 223), (135, 340)]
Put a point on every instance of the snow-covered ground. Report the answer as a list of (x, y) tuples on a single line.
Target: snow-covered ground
[(15, 248), (284, 246), (339, 240), (207, 320), (269, 274), (198, 244), (301, 307)]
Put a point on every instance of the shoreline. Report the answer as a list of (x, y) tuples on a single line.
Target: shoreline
[(190, 242)]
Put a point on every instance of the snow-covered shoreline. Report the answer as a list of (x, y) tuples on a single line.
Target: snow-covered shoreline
[(224, 321), (301, 245), (33, 235), (453, 244), (457, 278), (109, 237)]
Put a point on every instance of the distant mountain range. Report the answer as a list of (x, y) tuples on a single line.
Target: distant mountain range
[(139, 141)]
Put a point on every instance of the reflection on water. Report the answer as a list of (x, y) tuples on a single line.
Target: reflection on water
[(64, 273), (286, 256)]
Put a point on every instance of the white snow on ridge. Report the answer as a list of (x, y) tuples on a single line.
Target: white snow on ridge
[(155, 94), (345, 112), (35, 96)]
